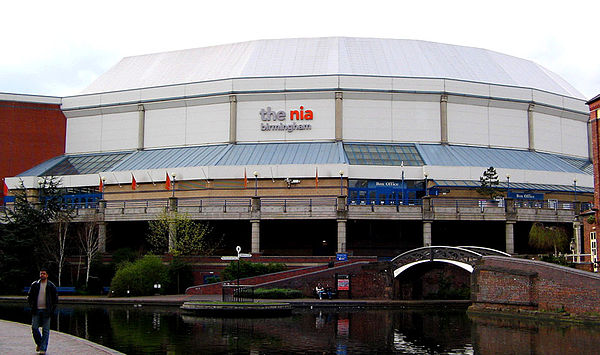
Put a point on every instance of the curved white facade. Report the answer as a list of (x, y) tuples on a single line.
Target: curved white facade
[(356, 90)]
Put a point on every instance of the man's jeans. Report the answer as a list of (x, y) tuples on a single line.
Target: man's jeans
[(41, 318)]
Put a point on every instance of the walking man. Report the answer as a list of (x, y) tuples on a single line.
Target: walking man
[(43, 299)]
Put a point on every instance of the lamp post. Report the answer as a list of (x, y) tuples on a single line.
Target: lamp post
[(157, 286), (426, 190), (341, 172), (255, 183), (507, 185), (402, 166), (173, 187), (575, 189)]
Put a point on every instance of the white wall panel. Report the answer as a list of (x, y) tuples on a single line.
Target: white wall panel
[(249, 121), (209, 87), (547, 134), (120, 97), (163, 92), (468, 124), (207, 124), (311, 82), (367, 120), (84, 134), (418, 84), (365, 82), (120, 131), (465, 87), (508, 128), (80, 101), (574, 137), (575, 104), (165, 127), (259, 84), (547, 98), (509, 92), (414, 121)]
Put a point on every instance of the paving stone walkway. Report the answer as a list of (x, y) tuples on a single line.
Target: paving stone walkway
[(16, 339)]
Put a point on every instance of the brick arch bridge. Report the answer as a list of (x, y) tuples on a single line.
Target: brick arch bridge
[(465, 257)]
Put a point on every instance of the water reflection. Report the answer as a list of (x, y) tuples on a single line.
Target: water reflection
[(152, 330)]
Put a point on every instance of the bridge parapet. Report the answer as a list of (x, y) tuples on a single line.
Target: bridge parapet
[(464, 257)]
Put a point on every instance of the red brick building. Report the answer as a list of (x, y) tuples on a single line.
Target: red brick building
[(32, 130), (591, 220)]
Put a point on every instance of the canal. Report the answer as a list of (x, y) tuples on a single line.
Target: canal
[(165, 330)]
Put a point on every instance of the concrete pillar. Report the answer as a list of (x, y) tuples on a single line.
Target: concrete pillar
[(530, 126), (426, 233), (510, 237), (577, 237), (341, 235), (339, 113), (141, 126), (102, 237), (255, 242), (232, 119), (101, 226), (444, 118)]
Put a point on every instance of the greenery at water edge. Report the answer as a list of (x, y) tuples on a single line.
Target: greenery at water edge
[(249, 269)]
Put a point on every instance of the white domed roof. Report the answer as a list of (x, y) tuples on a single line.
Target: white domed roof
[(326, 56)]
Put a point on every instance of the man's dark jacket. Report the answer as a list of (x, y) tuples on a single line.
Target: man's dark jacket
[(51, 296)]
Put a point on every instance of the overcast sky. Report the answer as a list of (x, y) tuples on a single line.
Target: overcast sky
[(59, 47)]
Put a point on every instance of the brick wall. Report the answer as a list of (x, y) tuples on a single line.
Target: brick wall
[(30, 133), (511, 283)]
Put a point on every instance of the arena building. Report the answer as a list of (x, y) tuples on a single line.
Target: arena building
[(320, 145)]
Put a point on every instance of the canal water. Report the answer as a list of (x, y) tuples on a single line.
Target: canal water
[(164, 330)]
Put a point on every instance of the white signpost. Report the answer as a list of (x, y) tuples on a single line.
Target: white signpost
[(238, 249)]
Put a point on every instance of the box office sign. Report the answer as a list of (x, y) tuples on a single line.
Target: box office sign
[(296, 120)]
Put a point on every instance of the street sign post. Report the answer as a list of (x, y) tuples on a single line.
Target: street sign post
[(238, 249)]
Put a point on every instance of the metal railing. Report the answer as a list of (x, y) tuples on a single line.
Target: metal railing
[(237, 293)]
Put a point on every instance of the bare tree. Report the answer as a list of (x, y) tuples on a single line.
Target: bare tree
[(89, 242)]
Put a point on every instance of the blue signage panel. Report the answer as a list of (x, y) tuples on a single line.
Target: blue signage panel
[(341, 256), (525, 196)]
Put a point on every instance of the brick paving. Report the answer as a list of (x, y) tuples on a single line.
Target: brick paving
[(16, 339)]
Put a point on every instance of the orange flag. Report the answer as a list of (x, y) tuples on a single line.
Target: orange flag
[(133, 182), (245, 179), (101, 186), (4, 188), (168, 182), (317, 178)]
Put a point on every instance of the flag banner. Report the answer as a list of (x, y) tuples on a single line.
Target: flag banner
[(317, 178), (101, 186), (133, 182), (167, 182), (4, 188), (245, 179)]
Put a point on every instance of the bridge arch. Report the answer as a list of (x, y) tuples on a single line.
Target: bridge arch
[(464, 257)]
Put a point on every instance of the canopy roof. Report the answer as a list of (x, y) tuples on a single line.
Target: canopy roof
[(329, 56)]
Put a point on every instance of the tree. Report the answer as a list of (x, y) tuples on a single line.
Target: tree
[(89, 242), (59, 215), (38, 222), (191, 237), (548, 237), (21, 251), (489, 183)]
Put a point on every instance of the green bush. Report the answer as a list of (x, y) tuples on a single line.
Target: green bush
[(248, 269), (139, 277), (277, 293)]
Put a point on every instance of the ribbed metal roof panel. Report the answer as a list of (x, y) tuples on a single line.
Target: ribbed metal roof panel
[(451, 155), (172, 158), (329, 56), (282, 153)]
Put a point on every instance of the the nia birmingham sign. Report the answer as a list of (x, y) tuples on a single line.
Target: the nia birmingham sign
[(277, 120)]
